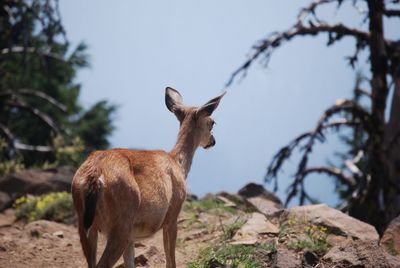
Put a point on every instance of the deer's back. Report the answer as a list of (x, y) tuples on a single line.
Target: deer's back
[(143, 187)]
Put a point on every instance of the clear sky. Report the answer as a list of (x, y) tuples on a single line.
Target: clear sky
[(138, 48)]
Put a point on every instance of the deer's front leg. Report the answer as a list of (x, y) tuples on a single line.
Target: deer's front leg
[(169, 236)]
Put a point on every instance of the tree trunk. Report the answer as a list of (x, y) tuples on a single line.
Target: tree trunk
[(392, 143), (372, 210)]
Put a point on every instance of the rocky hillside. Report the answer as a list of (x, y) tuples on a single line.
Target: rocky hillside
[(247, 229)]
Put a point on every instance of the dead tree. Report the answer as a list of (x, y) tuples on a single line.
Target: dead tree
[(372, 193)]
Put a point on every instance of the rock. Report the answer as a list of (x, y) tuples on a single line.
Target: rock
[(287, 259), (263, 205), (35, 182), (254, 189), (390, 240), (237, 201), (257, 224), (310, 258), (191, 197), (5, 200), (7, 218), (226, 201), (335, 221), (195, 234), (265, 201), (59, 234), (141, 260), (359, 253), (43, 228)]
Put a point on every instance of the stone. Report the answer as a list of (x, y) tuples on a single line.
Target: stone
[(254, 189), (359, 253), (287, 259), (236, 201), (7, 218), (310, 258), (44, 228), (390, 240), (257, 224), (59, 234), (266, 202), (335, 221), (265, 206), (5, 200), (191, 197), (141, 260), (35, 182)]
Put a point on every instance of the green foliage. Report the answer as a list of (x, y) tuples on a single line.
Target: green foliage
[(226, 255), (315, 235), (54, 206), (96, 120), (9, 166), (68, 154), (230, 230), (38, 91), (210, 205)]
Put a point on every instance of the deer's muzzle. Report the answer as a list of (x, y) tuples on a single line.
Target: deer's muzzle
[(211, 142)]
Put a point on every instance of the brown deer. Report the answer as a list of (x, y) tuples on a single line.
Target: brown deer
[(130, 194)]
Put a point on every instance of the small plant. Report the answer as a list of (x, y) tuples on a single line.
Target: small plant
[(230, 230), (208, 205), (226, 255), (54, 206), (8, 166), (68, 153), (193, 221), (316, 236), (180, 242)]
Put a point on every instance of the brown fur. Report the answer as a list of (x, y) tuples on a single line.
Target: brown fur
[(139, 192)]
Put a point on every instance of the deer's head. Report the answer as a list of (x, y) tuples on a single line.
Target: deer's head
[(196, 120)]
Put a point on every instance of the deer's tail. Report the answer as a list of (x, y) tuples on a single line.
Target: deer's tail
[(91, 196)]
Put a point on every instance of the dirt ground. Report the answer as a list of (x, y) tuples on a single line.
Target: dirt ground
[(49, 244)]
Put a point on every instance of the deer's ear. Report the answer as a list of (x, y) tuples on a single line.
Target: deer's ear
[(208, 108), (173, 100)]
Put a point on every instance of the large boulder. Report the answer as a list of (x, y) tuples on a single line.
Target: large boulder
[(255, 226), (359, 253), (337, 223), (5, 200), (390, 240), (266, 202), (34, 182)]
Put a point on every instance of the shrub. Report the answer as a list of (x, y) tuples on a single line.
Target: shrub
[(53, 206), (226, 255)]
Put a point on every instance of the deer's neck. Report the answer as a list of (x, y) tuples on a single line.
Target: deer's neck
[(185, 147)]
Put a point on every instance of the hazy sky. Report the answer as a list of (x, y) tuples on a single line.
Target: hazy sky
[(138, 48)]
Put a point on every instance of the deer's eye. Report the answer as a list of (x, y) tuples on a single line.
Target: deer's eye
[(212, 124)]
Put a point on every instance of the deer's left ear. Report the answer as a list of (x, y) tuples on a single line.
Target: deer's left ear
[(208, 108), (173, 100)]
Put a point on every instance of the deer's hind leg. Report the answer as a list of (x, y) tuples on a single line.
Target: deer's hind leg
[(89, 245), (117, 242), (129, 256)]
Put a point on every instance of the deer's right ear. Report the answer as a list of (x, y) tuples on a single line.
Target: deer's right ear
[(173, 100)]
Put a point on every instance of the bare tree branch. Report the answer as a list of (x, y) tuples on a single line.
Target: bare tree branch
[(36, 148), (21, 146), (392, 12), (285, 152), (335, 33), (32, 50), (331, 171), (17, 102), (341, 106), (35, 93)]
